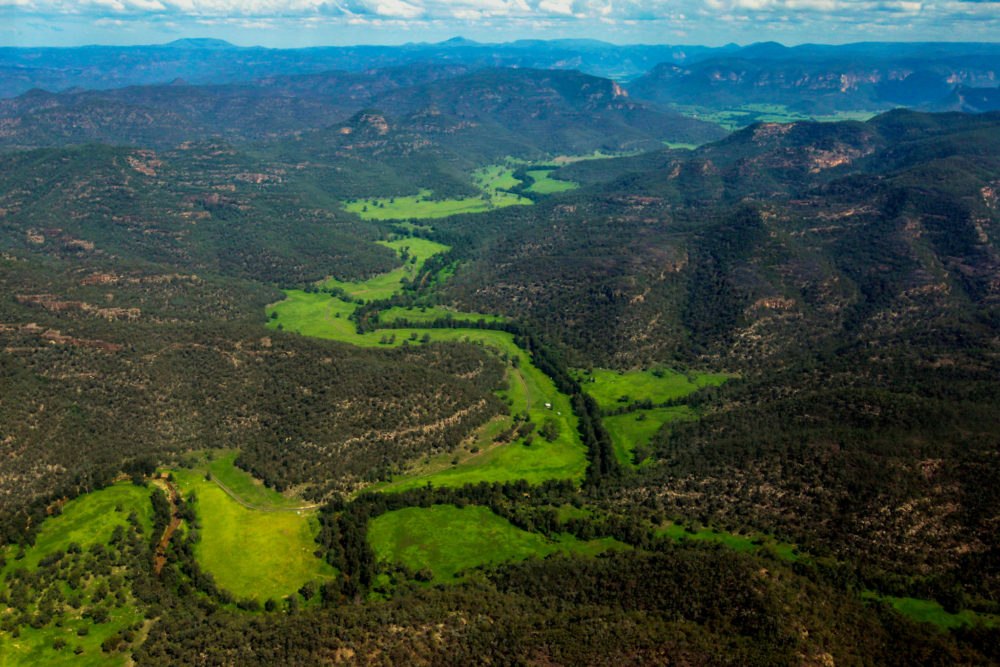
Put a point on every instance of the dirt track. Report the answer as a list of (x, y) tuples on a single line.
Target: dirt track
[(250, 506)]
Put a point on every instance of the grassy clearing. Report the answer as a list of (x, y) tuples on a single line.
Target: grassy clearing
[(85, 521), (748, 114), (544, 185), (497, 177), (447, 539), (609, 388), (931, 611), (34, 646), (680, 144), (415, 251), (432, 313), (733, 541), (247, 487), (491, 180), (636, 429), (252, 554), (596, 155)]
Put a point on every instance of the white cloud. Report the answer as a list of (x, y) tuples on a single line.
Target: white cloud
[(823, 20)]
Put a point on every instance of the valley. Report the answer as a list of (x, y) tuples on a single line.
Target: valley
[(469, 354)]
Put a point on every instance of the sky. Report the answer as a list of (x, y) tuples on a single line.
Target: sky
[(299, 23)]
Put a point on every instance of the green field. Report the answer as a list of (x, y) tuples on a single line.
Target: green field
[(748, 114), (385, 285), (496, 177), (634, 429), (609, 387), (85, 521), (730, 540), (544, 185), (492, 181), (247, 487), (931, 611), (447, 539), (252, 554)]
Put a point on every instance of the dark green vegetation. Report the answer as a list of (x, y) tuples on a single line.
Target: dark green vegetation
[(726, 404)]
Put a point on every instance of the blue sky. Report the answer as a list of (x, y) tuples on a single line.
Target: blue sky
[(292, 23)]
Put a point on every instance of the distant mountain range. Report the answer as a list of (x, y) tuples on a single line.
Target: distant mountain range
[(817, 79), (102, 67), (525, 109)]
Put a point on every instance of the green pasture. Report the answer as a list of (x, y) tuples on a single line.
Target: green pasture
[(609, 387), (732, 541), (86, 520), (633, 429), (544, 185), (247, 487), (931, 611), (305, 312), (34, 646), (596, 155), (385, 285), (424, 206), (252, 554), (496, 177), (747, 114), (447, 539)]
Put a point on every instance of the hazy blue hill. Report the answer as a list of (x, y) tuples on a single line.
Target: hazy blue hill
[(822, 79), (105, 67), (199, 43), (550, 110)]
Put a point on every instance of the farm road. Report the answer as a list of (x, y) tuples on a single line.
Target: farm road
[(235, 497)]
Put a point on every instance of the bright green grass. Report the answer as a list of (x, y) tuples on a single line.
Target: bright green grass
[(34, 646), (596, 155), (628, 431), (931, 611), (731, 540), (432, 313), (448, 539), (544, 185), (747, 114), (497, 177), (386, 284), (681, 144), (253, 554), (309, 311), (86, 520), (607, 386), (422, 206), (247, 487)]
